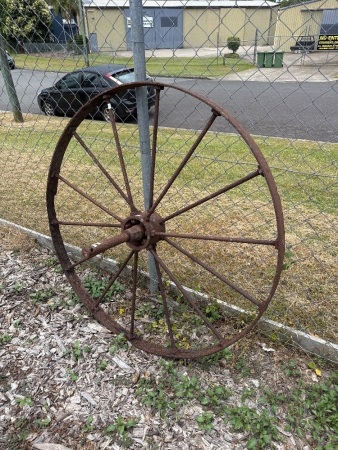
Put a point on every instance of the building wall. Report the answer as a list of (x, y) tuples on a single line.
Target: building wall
[(232, 23), (302, 19), (260, 22), (110, 28), (201, 27), (249, 24), (166, 30)]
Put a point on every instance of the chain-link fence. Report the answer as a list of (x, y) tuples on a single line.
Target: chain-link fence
[(273, 68)]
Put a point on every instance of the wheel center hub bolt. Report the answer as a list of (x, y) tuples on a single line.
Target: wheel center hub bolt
[(150, 225), (138, 231)]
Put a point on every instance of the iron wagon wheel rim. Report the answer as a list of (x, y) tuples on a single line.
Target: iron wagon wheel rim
[(98, 313)]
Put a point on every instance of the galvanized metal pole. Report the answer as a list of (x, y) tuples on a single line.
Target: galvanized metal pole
[(83, 33), (8, 80), (137, 33), (255, 47)]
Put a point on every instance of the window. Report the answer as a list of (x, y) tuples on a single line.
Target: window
[(125, 77), (329, 22), (91, 80), (71, 81), (168, 22)]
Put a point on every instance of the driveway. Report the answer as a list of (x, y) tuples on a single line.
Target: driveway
[(312, 67)]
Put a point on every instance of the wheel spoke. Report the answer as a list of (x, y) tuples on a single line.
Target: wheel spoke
[(154, 145), (248, 177), (214, 272), (87, 224), (100, 166), (165, 305), (133, 299), (120, 155), (204, 237), (148, 233), (89, 198), (185, 160), (78, 263), (101, 247), (113, 279), (187, 296)]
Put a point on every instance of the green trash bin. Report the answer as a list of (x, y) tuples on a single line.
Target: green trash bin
[(269, 57), (278, 59), (260, 59)]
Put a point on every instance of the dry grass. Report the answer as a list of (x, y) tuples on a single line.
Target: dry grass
[(14, 240), (307, 295)]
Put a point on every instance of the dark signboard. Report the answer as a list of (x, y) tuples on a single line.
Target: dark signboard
[(328, 42)]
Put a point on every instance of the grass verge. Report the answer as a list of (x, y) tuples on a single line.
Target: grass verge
[(164, 67), (306, 298)]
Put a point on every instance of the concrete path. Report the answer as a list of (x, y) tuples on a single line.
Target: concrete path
[(311, 67)]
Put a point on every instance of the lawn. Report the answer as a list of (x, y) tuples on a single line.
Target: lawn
[(306, 298), (173, 66)]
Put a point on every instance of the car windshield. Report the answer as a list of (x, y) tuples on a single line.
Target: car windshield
[(125, 77)]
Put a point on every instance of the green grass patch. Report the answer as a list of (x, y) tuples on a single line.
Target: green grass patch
[(302, 170), (172, 66)]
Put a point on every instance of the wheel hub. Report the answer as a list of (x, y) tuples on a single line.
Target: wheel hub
[(142, 230), (194, 323)]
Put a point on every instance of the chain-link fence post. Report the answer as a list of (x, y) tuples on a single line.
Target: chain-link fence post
[(136, 13), (83, 32), (8, 80)]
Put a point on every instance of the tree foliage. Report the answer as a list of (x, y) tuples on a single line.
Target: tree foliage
[(25, 20), (233, 43)]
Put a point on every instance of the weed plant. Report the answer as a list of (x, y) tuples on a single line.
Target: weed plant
[(120, 430), (118, 343), (96, 286), (77, 351), (176, 388), (5, 339), (311, 411)]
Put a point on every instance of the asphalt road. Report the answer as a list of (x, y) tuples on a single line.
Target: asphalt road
[(290, 109)]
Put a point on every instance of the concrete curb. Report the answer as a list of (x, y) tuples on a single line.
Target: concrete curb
[(312, 344)]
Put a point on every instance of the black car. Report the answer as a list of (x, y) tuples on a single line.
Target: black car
[(10, 59), (76, 88), (11, 62)]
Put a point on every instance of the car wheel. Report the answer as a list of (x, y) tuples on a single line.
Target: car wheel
[(48, 108), (105, 112)]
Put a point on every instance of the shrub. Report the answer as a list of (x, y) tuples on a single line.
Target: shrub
[(233, 43), (76, 44), (78, 39)]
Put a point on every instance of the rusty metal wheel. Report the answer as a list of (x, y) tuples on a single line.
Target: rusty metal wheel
[(213, 234)]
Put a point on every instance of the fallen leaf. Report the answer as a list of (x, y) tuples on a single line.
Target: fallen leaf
[(267, 349), (312, 365), (49, 446)]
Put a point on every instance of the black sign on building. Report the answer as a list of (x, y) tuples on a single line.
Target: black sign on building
[(328, 38)]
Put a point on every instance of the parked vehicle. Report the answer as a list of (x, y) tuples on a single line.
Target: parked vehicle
[(11, 62), (72, 91)]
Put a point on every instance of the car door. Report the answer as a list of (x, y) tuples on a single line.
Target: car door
[(92, 84), (67, 93)]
